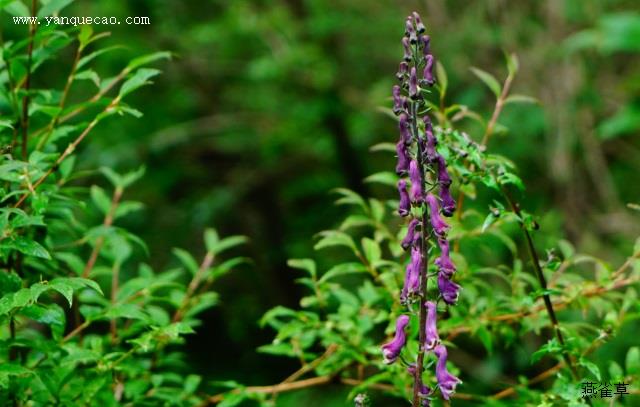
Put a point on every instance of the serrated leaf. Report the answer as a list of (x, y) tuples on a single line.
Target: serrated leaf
[(488, 79)]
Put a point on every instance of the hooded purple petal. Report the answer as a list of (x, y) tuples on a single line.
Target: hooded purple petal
[(410, 31), (446, 381), (416, 192), (407, 49), (413, 84), (425, 40), (391, 350), (432, 338), (428, 69), (448, 289), (412, 235), (448, 203), (419, 25), (403, 70), (403, 125), (444, 263), (403, 160), (430, 147), (405, 204), (438, 224), (443, 174), (411, 282), (397, 100)]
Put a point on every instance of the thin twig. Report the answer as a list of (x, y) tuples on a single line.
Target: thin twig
[(193, 285)]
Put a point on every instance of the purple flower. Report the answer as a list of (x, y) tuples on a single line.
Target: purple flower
[(431, 141), (443, 174), (426, 45), (403, 160), (448, 289), (403, 125), (431, 329), (428, 70), (413, 84), (444, 263), (419, 26), (411, 281), (397, 100), (438, 224), (416, 193), (448, 203), (446, 381), (391, 350), (410, 31), (403, 70), (412, 235), (405, 204), (407, 49)]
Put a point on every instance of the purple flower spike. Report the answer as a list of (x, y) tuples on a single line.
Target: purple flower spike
[(448, 289), (403, 160), (403, 70), (446, 381), (426, 45), (405, 133), (443, 175), (416, 193), (448, 203), (419, 25), (391, 350), (405, 204), (407, 49), (444, 263), (413, 84), (428, 70), (412, 236), (431, 329), (438, 224)]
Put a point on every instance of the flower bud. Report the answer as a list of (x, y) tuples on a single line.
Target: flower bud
[(397, 100), (443, 175), (412, 275), (425, 41), (410, 31), (403, 125)]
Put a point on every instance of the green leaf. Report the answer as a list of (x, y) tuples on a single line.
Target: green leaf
[(139, 79), (211, 238), (512, 63), (147, 59), (632, 361), (187, 260), (335, 238), (100, 199), (26, 246), (485, 337), (343, 269), (64, 288), (488, 80), (371, 250), (441, 79), (385, 178), (304, 264), (227, 243), (53, 7), (591, 367), (515, 98)]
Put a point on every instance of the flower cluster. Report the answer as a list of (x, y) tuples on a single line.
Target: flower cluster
[(418, 159)]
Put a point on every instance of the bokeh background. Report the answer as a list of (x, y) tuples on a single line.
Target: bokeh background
[(268, 105)]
